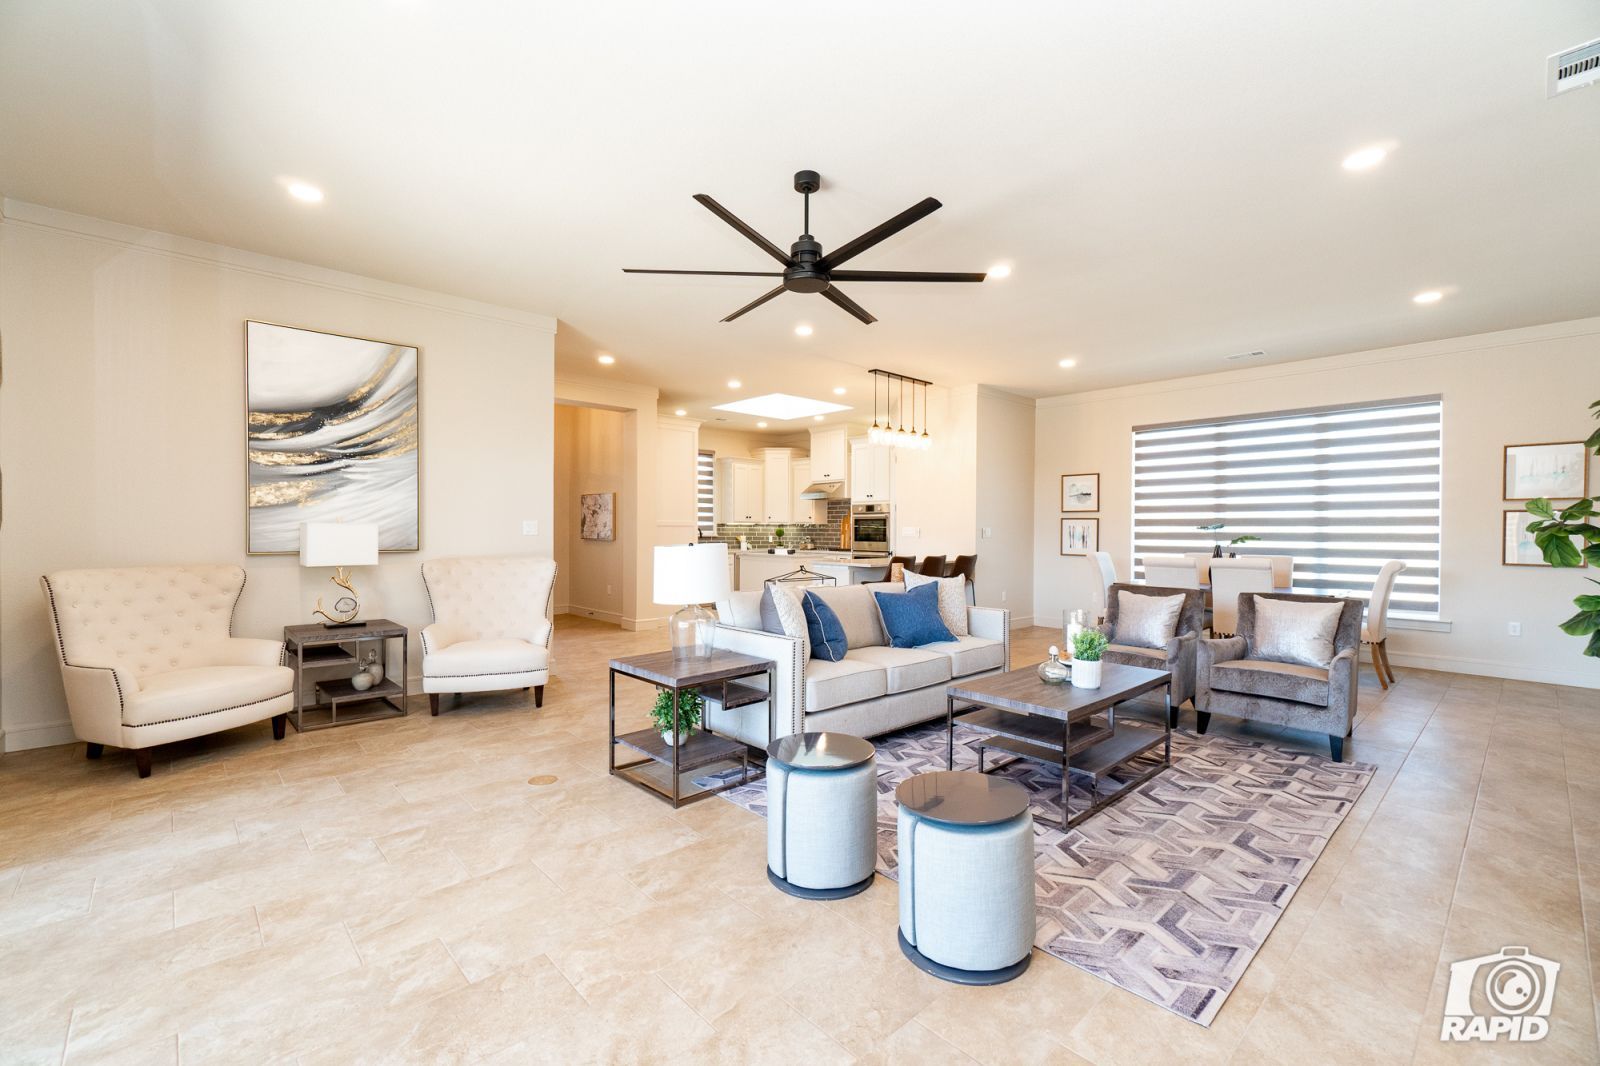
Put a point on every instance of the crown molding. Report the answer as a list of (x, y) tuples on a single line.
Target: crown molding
[(186, 249), (994, 393)]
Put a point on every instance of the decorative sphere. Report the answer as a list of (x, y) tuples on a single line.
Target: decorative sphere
[(361, 681)]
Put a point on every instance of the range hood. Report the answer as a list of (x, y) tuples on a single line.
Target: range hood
[(821, 490)]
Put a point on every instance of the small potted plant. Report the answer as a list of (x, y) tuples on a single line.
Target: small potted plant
[(1086, 648), (1213, 528), (691, 705), (1236, 541)]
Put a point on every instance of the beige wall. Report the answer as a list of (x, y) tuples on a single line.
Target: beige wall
[(122, 426), (1512, 387), (1005, 503), (588, 458)]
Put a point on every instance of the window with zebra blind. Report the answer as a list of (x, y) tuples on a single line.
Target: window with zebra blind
[(1340, 489), (705, 483)]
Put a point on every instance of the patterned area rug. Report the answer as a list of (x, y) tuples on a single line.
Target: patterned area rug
[(1171, 892)]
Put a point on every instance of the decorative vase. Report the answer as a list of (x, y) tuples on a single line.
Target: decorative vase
[(671, 741), (1216, 551), (361, 681), (1053, 671), (374, 667), (1085, 674), (1073, 623)]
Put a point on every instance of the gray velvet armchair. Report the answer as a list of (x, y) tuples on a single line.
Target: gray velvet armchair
[(1230, 679), (1177, 656)]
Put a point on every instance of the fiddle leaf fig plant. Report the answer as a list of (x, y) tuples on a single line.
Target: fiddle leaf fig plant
[(1568, 538)]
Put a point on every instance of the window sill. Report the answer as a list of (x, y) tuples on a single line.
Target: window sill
[(1424, 625)]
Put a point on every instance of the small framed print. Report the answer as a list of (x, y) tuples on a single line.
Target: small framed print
[(1080, 492), (1547, 471), (1518, 548), (1080, 536)]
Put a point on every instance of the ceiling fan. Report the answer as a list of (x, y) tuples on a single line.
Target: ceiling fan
[(806, 268)]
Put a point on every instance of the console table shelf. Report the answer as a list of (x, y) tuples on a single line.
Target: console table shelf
[(335, 700)]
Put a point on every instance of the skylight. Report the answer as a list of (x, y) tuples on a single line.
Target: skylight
[(781, 407)]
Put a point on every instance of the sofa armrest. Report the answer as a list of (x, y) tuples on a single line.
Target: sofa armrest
[(437, 636), (1344, 684), (992, 623), (249, 651), (1181, 652), (1211, 652), (789, 673), (95, 698)]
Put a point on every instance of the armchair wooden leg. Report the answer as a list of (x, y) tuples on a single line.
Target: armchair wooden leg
[(93, 750), (1202, 721), (141, 761), (280, 723), (1336, 745), (538, 695), (433, 704)]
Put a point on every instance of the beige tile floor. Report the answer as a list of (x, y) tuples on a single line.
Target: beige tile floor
[(400, 891)]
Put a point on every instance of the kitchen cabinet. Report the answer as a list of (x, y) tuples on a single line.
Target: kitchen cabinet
[(830, 454), (871, 472), (807, 512), (739, 491)]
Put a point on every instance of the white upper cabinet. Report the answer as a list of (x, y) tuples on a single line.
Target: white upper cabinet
[(830, 454), (871, 472), (777, 493), (739, 491), (809, 512)]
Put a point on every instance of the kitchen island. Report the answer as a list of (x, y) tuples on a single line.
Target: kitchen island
[(757, 567)]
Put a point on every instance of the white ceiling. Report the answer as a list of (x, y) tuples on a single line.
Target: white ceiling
[(1164, 177)]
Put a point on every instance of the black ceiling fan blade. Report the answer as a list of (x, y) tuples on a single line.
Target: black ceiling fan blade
[(716, 273), (882, 231), (902, 275), (834, 296), (753, 304), (737, 223)]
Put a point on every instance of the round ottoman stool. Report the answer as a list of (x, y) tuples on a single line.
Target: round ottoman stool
[(822, 815), (966, 876)]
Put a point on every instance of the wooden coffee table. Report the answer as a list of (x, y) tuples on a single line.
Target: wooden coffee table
[(1076, 729)]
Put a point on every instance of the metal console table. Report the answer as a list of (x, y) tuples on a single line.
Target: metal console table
[(314, 645)]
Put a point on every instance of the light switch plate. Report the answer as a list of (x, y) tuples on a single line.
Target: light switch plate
[(912, 532), (530, 528), (986, 532)]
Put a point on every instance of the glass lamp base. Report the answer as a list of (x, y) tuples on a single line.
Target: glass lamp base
[(692, 631)]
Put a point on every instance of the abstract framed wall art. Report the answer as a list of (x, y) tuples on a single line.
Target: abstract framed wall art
[(598, 513), (1519, 548), (1080, 492), (1080, 536), (1551, 471), (332, 434)]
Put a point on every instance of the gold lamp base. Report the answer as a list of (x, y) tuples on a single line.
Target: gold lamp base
[(345, 608)]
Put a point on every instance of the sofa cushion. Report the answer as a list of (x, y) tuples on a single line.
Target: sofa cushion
[(952, 599), (1288, 631), (970, 655), (175, 694), (857, 613), (848, 681), (1146, 621), (911, 619), (470, 658), (907, 668), (1274, 680), (826, 633)]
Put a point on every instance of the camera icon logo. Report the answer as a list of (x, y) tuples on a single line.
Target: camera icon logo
[(1516, 988)]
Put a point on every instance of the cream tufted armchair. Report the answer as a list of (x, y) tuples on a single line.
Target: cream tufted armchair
[(491, 625), (148, 657)]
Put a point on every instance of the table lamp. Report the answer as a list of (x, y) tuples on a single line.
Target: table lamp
[(689, 575), (339, 545)]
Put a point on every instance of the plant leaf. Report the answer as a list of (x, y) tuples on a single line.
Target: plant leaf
[(1582, 509), (1587, 603), (1560, 551), (1582, 624), (1540, 507), (1594, 646), (1592, 553), (1593, 443)]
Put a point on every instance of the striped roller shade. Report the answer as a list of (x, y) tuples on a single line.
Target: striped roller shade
[(1341, 489)]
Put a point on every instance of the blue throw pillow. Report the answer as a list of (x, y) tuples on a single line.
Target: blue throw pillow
[(912, 618), (825, 630)]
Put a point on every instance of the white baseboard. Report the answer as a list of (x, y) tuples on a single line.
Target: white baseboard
[(43, 735), (644, 623), (1576, 678), (590, 612)]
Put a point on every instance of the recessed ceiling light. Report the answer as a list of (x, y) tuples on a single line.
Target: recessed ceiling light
[(816, 418), (1365, 158), (1000, 270), (802, 330), (781, 407), (680, 412), (1432, 296), (305, 192), (761, 425), (839, 391), (734, 383), (1067, 364), (606, 359)]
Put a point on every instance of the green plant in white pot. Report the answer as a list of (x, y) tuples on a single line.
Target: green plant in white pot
[(691, 707), (1087, 647)]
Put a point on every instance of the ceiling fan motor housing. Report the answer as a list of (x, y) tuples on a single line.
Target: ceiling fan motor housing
[(805, 275)]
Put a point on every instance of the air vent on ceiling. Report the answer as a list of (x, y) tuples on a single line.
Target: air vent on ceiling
[(1574, 68), (1245, 355)]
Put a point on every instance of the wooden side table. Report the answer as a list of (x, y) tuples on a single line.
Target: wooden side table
[(315, 646), (724, 669)]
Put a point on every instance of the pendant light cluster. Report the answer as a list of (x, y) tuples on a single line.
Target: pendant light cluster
[(892, 427)]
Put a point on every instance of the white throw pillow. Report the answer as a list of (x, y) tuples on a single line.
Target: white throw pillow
[(1288, 631), (952, 599), (791, 615), (1146, 621)]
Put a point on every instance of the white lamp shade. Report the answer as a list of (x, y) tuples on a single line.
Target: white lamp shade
[(338, 544), (691, 573)]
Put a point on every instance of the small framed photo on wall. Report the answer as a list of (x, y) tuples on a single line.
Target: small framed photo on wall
[(1518, 546), (1080, 492), (1080, 536), (1547, 471)]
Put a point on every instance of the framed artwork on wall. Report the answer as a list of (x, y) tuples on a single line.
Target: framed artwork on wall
[(597, 511), (1080, 536), (1080, 492), (1549, 471), (331, 435), (1517, 546)]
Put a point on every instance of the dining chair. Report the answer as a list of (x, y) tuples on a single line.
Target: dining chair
[(1282, 571), (906, 563), (1171, 571), (1231, 578), (931, 566), (1375, 632), (1202, 565), (1107, 576), (965, 566)]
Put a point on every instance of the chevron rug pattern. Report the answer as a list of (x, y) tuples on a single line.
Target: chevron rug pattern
[(1171, 892)]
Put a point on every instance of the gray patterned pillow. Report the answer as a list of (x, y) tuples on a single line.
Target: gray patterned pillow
[(1291, 632), (952, 600), (1146, 621)]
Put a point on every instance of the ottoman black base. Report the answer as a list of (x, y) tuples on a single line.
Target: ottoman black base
[(819, 893), (963, 977)]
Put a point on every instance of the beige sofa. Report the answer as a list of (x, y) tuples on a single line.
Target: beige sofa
[(874, 689)]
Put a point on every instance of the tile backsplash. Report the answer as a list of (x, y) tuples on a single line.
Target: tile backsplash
[(823, 537)]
